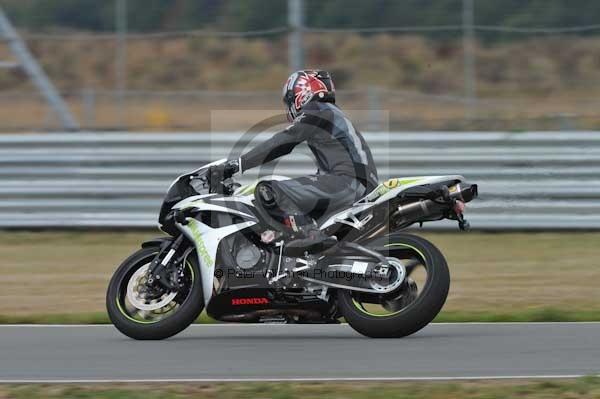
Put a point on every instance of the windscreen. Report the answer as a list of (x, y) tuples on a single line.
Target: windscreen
[(184, 187)]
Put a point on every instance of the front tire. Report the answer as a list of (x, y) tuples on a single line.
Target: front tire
[(419, 312), (182, 314)]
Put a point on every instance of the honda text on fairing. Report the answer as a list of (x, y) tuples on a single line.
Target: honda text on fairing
[(222, 255)]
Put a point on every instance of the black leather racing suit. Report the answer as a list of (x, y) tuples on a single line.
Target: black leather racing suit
[(346, 170)]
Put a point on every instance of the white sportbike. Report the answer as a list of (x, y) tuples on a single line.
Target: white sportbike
[(222, 254)]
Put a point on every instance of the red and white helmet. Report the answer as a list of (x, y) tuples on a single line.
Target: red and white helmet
[(305, 86)]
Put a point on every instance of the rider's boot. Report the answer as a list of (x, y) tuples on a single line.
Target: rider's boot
[(307, 236)]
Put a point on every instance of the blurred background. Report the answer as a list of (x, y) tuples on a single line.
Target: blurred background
[(516, 82), (103, 103), (434, 64)]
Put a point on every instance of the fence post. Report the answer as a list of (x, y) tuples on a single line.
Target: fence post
[(374, 104), (36, 73), (121, 59), (295, 42), (89, 108), (468, 19)]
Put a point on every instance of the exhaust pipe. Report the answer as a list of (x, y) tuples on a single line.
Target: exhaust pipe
[(427, 208), (413, 212)]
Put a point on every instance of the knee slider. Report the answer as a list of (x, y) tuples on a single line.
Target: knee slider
[(265, 194)]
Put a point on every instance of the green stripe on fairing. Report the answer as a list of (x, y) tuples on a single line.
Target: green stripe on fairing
[(199, 241), (362, 309), (146, 322), (248, 189), (383, 188), (408, 181)]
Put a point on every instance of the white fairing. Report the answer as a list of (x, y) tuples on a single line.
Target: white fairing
[(415, 181), (197, 202), (384, 193), (191, 201), (207, 240)]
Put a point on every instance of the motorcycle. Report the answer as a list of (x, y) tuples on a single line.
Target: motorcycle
[(223, 254)]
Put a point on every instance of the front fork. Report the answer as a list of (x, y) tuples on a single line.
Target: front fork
[(162, 265)]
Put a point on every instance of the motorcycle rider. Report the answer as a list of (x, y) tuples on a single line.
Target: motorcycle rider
[(346, 170)]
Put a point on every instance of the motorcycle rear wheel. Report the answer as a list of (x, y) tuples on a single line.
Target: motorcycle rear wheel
[(416, 314)]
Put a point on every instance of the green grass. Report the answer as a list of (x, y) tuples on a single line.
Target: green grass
[(61, 277), (529, 315), (588, 388), (73, 318)]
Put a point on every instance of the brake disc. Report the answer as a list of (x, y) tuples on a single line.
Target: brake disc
[(138, 296)]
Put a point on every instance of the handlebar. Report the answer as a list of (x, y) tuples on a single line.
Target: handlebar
[(219, 182)]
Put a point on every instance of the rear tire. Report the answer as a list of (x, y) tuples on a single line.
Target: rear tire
[(420, 312), (183, 316)]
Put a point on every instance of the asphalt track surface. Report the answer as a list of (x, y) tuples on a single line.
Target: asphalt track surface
[(300, 352)]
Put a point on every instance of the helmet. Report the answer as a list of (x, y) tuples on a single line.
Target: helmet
[(305, 86)]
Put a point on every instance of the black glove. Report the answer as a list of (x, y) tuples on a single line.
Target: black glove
[(218, 173), (230, 168)]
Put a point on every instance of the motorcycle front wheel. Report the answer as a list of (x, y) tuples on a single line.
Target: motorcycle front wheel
[(414, 304), (146, 312)]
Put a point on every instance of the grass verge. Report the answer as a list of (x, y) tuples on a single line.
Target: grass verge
[(588, 387), (529, 315), (61, 277)]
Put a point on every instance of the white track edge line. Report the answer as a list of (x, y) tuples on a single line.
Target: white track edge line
[(291, 379), (490, 323)]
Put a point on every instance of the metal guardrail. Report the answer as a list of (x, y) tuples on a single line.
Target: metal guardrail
[(537, 180)]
